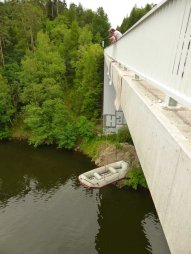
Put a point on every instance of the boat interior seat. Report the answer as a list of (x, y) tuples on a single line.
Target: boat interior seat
[(97, 176), (112, 170)]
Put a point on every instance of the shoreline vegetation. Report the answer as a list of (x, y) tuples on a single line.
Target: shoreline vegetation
[(103, 150), (51, 75)]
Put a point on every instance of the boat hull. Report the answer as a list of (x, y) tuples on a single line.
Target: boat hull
[(99, 187)]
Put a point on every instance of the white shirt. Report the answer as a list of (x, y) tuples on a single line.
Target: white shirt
[(117, 35)]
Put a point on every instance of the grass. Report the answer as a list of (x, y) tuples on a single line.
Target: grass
[(92, 147)]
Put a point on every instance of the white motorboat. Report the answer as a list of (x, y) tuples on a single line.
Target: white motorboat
[(105, 175)]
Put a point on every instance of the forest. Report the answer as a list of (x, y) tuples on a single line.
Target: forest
[(51, 70)]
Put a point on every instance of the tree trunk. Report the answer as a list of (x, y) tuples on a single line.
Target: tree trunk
[(32, 40), (52, 7), (1, 50), (57, 2), (23, 24)]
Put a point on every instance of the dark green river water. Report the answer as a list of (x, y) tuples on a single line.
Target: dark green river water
[(44, 210)]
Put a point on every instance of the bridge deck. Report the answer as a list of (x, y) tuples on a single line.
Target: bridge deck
[(179, 116)]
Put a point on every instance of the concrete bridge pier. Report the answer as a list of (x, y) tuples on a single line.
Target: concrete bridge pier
[(112, 119)]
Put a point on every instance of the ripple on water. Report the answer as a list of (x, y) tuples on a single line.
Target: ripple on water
[(153, 232)]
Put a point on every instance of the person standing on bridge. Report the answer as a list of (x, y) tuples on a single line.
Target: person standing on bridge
[(114, 35)]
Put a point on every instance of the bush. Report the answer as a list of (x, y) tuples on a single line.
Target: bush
[(136, 178), (50, 124), (124, 136), (84, 128), (6, 108)]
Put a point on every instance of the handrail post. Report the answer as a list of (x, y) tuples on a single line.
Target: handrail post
[(170, 102)]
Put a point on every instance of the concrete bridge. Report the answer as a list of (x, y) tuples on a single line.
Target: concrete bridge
[(147, 85)]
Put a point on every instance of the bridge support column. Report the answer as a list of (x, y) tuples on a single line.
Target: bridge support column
[(112, 119)]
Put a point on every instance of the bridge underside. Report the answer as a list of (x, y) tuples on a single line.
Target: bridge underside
[(162, 138)]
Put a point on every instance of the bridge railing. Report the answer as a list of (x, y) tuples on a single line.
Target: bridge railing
[(158, 48)]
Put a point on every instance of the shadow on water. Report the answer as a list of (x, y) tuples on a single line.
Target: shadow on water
[(120, 231), (44, 209), (154, 234)]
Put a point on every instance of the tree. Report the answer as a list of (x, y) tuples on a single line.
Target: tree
[(44, 63), (50, 124), (1, 52), (54, 8), (71, 14), (38, 93), (11, 72), (85, 37), (53, 67), (31, 16), (3, 32), (6, 108), (100, 25), (87, 92), (70, 46), (87, 18), (56, 29), (135, 15)]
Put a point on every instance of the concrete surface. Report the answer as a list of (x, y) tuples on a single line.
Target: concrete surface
[(162, 138)]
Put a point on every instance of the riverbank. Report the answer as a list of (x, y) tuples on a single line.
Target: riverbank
[(105, 153), (103, 149)]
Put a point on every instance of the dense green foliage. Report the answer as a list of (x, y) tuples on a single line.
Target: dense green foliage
[(52, 70), (136, 178), (135, 15), (51, 123), (51, 80), (6, 108), (124, 136), (86, 95)]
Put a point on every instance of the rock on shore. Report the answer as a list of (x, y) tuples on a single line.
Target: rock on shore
[(109, 153)]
